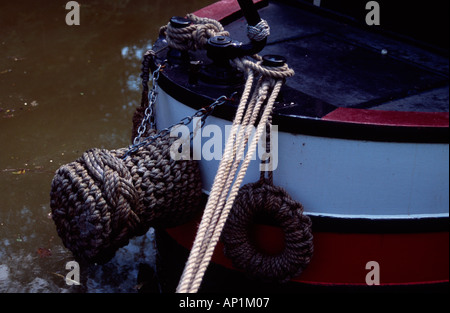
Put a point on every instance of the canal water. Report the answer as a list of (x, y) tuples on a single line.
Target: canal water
[(65, 89)]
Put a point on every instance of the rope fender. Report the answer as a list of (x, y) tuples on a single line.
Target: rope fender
[(258, 199), (100, 201)]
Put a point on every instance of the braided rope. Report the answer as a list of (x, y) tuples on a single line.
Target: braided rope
[(226, 183), (259, 31)]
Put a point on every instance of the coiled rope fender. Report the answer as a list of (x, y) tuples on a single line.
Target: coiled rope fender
[(258, 199), (100, 201)]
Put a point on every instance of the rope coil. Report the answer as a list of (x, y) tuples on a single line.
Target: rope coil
[(194, 36), (274, 203)]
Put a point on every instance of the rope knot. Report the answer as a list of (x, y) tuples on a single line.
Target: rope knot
[(270, 73), (116, 185), (194, 36), (258, 32)]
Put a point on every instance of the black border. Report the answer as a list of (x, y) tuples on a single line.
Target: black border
[(378, 226), (307, 125), (360, 225)]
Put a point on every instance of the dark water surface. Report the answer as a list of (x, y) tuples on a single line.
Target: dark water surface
[(63, 90)]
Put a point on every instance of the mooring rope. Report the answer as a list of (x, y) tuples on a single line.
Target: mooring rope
[(194, 36), (226, 183)]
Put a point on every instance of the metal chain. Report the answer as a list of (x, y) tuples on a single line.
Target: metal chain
[(148, 118), (202, 113)]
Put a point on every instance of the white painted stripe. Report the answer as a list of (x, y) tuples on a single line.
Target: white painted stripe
[(344, 178), (379, 217)]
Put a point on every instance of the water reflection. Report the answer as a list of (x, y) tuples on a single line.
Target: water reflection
[(133, 53), (65, 89)]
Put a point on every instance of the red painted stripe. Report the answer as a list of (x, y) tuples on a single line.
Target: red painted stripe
[(340, 259), (403, 258), (384, 284), (389, 118), (220, 9)]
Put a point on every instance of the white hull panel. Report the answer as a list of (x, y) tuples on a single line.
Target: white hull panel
[(341, 177)]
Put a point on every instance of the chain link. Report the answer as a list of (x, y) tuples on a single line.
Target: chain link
[(149, 117), (202, 113)]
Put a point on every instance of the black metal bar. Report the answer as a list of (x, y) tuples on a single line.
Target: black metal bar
[(250, 13)]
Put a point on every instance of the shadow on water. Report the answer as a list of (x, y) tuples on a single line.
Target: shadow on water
[(65, 89)]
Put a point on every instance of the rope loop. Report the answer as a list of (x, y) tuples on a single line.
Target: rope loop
[(275, 73), (194, 36), (274, 204)]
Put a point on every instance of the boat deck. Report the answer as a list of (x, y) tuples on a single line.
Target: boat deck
[(342, 65), (348, 75)]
